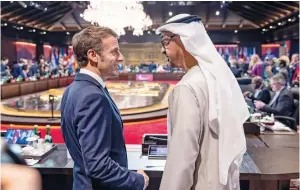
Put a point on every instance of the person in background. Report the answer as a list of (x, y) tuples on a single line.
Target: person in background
[(253, 61), (234, 68), (17, 69), (293, 69), (261, 93), (4, 65), (25, 72), (259, 70), (242, 66), (283, 69), (270, 69), (33, 69), (282, 102)]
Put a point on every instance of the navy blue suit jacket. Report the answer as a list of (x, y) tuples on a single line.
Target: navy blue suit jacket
[(33, 70), (16, 70), (93, 132)]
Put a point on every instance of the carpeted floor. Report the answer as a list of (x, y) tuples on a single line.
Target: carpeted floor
[(133, 132)]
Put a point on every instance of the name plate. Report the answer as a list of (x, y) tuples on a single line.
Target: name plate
[(144, 77)]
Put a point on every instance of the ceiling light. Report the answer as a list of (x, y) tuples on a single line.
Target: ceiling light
[(21, 28), (264, 29), (217, 13), (149, 32), (68, 33), (45, 9), (25, 6), (44, 32), (81, 15), (271, 26), (33, 30), (170, 13), (236, 31), (279, 23), (5, 24), (11, 2), (289, 19)]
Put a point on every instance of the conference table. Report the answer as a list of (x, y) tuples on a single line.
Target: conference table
[(270, 162)]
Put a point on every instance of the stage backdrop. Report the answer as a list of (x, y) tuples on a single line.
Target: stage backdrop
[(26, 50), (135, 53), (270, 50)]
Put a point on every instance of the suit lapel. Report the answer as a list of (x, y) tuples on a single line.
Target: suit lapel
[(85, 77)]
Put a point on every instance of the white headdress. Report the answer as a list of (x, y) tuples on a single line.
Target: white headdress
[(226, 102)]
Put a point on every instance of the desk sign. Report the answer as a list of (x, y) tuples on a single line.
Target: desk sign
[(144, 77)]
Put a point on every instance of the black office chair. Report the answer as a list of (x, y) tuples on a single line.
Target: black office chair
[(293, 121)]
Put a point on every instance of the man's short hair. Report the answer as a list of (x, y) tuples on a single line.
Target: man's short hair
[(4, 58), (257, 80), (279, 79), (89, 38)]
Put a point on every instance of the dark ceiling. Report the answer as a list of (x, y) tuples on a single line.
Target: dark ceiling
[(65, 16)]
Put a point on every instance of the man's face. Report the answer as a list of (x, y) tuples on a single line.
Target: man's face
[(42, 61), (270, 62), (5, 61), (110, 57), (295, 59), (275, 85), (171, 49)]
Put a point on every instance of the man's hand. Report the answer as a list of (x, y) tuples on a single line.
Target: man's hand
[(246, 94), (259, 104), (145, 177)]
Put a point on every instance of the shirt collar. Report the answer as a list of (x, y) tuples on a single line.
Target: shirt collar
[(279, 90), (95, 76)]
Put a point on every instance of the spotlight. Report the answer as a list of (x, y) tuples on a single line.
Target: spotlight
[(217, 13), (33, 30), (5, 24), (68, 33), (11, 2), (170, 13), (271, 27), (149, 32), (21, 28), (279, 23), (25, 6), (289, 19), (44, 32), (236, 31), (45, 9), (263, 29), (81, 15)]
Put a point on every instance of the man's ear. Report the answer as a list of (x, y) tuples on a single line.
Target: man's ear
[(92, 56)]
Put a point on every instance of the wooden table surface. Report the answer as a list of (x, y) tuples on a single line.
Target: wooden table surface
[(276, 163), (281, 141)]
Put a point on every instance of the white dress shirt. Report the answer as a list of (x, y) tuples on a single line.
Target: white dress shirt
[(94, 75), (275, 96)]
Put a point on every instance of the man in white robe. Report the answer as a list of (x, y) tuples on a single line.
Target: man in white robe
[(206, 112)]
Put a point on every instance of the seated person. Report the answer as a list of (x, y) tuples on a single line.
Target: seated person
[(234, 69), (282, 102), (261, 92)]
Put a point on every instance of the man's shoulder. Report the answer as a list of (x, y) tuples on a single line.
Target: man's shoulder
[(83, 91), (194, 78), (195, 81)]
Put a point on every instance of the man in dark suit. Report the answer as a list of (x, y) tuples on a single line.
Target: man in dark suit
[(260, 91), (282, 102), (91, 122), (4, 62), (17, 69)]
